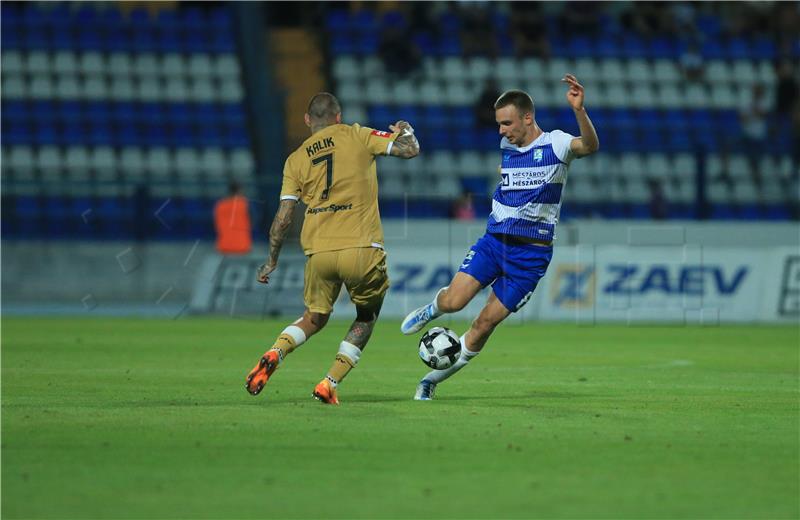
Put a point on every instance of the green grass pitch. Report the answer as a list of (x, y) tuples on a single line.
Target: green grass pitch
[(128, 418)]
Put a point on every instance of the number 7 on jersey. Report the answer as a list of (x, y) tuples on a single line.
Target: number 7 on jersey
[(328, 159)]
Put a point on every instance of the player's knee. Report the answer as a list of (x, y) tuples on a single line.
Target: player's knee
[(368, 313), (450, 302), (317, 319)]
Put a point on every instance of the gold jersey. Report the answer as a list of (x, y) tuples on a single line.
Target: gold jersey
[(333, 173)]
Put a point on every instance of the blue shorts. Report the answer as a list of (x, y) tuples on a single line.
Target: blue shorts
[(513, 269)]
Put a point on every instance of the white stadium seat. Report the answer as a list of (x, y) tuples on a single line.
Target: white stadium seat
[(431, 93), (638, 191), (230, 91), (212, 162), (723, 96), (404, 92), (469, 163), (103, 162), (506, 69), (146, 66), (95, 87), (638, 70), (131, 161), (744, 72), (21, 160), (77, 164), (41, 87), (68, 87), (187, 162), (38, 62), (119, 65), (641, 96), (353, 113), (718, 71), (454, 69), (669, 96), (377, 91), (64, 62), (479, 69), (158, 162), (122, 89), (173, 65), (242, 164), (200, 65), (666, 71), (696, 95), (441, 163), (176, 89), (657, 166), (227, 66), (585, 69), (346, 68), (92, 64), (202, 91), (350, 92), (12, 63), (458, 93), (372, 67), (611, 71), (532, 69)]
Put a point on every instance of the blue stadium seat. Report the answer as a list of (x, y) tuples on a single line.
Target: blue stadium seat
[(424, 41), (764, 48), (73, 132), (737, 49), (633, 46), (449, 45), (337, 20), (342, 44), (435, 118), (390, 19)]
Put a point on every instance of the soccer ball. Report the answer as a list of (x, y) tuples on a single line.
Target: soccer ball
[(439, 348)]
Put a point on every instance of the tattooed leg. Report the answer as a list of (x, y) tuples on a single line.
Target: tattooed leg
[(353, 345)]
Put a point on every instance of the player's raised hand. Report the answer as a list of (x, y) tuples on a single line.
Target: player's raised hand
[(263, 272), (575, 91), (403, 127)]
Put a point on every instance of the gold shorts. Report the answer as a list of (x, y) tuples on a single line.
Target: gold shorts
[(362, 270)]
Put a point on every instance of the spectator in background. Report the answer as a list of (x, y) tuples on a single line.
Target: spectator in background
[(400, 55), (581, 18), (463, 208), (786, 90), (754, 129), (232, 223), (477, 32), (484, 109), (692, 62), (658, 202), (529, 32)]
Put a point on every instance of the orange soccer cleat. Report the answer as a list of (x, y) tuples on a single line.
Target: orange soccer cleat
[(259, 376), (325, 393)]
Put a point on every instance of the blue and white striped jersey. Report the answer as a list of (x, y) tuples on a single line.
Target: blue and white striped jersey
[(527, 200)]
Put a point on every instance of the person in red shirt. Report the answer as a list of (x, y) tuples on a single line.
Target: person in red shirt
[(232, 223)]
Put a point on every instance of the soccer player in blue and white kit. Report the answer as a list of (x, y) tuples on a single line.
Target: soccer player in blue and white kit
[(515, 251)]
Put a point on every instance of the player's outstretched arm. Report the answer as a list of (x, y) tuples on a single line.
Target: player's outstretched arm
[(588, 142), (277, 233), (406, 144)]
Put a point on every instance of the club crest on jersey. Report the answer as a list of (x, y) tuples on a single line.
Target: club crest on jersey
[(381, 133), (538, 154)]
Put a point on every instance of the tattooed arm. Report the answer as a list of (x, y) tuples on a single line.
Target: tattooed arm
[(277, 233), (406, 145)]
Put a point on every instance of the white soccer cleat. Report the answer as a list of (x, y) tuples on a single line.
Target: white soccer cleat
[(425, 390), (417, 320)]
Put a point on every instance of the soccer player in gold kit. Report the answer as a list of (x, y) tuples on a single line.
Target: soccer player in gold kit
[(333, 173)]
